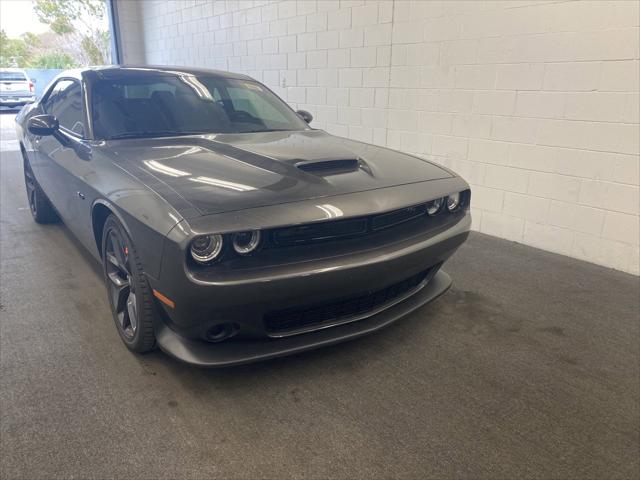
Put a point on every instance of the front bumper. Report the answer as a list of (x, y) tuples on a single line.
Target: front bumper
[(237, 352), (247, 299)]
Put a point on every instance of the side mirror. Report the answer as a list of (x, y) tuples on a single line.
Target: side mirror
[(43, 125), (306, 116)]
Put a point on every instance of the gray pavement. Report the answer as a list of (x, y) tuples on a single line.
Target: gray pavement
[(528, 367)]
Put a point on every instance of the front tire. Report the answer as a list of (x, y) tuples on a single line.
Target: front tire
[(41, 208), (128, 290)]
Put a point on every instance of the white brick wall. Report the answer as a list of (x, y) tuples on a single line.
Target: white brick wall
[(535, 103)]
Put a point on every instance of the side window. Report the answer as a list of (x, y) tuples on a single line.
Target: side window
[(51, 99), (65, 102)]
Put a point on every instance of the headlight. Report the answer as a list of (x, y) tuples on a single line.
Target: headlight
[(434, 206), (453, 202), (246, 242), (206, 248)]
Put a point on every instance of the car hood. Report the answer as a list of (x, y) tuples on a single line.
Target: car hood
[(222, 173)]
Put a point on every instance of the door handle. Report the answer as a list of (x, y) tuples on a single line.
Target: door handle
[(81, 195)]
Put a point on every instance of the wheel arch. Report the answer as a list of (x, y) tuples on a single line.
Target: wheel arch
[(99, 213), (23, 151), (139, 233)]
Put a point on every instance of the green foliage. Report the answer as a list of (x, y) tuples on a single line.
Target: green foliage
[(27, 52), (60, 15), (91, 50), (81, 18), (31, 40), (13, 51), (54, 60), (78, 36)]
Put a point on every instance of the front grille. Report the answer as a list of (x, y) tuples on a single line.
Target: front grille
[(304, 234), (348, 228), (293, 320), (340, 229), (386, 220)]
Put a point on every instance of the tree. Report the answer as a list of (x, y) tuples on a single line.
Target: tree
[(13, 51), (33, 51), (81, 22)]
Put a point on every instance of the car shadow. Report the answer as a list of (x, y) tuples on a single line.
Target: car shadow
[(95, 266), (352, 357)]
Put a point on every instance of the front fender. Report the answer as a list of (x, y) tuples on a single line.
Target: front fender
[(148, 238), (145, 215)]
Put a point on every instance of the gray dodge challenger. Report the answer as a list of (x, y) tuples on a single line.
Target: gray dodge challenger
[(228, 229)]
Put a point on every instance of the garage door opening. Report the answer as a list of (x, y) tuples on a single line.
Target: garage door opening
[(41, 38)]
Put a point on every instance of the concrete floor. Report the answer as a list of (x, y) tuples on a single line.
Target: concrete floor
[(528, 367)]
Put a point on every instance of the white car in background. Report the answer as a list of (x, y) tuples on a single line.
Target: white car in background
[(16, 88)]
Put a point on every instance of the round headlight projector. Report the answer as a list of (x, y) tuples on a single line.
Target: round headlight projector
[(435, 206), (453, 202), (206, 248), (246, 242)]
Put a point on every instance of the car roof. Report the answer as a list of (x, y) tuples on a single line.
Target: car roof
[(136, 71)]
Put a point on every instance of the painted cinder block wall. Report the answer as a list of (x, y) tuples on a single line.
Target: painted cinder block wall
[(534, 103)]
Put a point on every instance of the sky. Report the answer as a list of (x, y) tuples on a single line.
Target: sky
[(18, 17)]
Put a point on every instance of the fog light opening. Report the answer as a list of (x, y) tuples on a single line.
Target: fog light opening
[(221, 332)]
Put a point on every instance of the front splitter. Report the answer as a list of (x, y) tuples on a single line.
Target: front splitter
[(237, 352)]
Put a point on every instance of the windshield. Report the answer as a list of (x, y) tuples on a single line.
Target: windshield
[(12, 77), (168, 105)]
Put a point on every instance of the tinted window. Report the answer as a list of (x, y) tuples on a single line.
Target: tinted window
[(165, 105), (12, 77), (65, 102), (51, 97), (249, 99)]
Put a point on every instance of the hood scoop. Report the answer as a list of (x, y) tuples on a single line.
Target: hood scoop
[(329, 167), (203, 175)]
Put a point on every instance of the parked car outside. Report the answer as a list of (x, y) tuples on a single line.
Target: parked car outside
[(16, 88)]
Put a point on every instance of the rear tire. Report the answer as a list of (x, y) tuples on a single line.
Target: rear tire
[(41, 208), (129, 292)]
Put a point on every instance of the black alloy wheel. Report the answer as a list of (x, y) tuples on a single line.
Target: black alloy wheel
[(128, 290), (30, 184), (39, 204), (121, 288)]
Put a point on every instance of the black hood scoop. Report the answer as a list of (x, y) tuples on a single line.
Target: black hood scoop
[(329, 167)]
